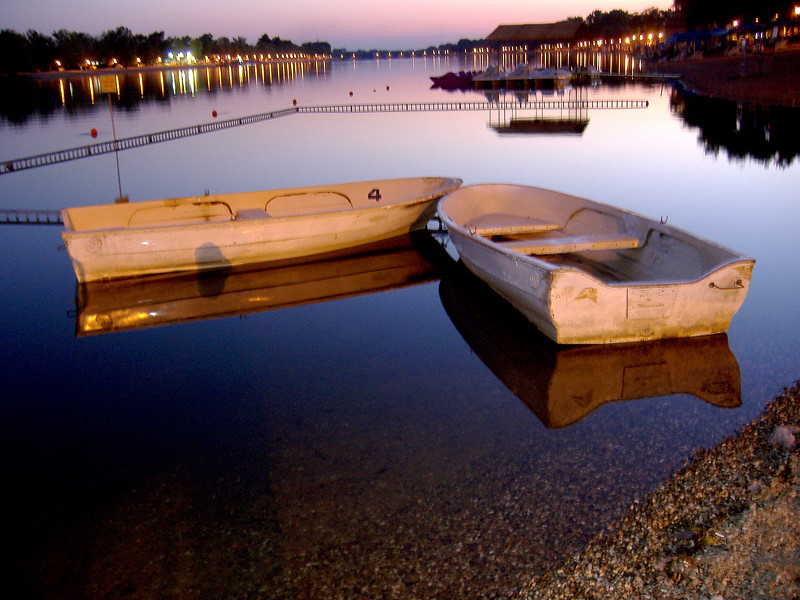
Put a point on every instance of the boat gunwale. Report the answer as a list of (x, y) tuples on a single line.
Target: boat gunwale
[(252, 222), (446, 185), (552, 268)]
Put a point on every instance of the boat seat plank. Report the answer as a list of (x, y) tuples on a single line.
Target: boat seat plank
[(507, 224), (252, 213), (580, 243)]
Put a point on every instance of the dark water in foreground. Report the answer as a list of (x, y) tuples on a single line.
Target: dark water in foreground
[(395, 431)]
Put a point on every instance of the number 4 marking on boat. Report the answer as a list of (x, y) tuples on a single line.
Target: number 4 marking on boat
[(375, 194)]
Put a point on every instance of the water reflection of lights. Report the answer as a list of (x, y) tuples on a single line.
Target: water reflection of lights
[(605, 61), (189, 80)]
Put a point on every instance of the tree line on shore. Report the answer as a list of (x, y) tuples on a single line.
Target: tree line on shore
[(34, 51)]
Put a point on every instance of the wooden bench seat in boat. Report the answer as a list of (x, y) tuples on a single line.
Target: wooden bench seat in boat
[(579, 243), (495, 224), (252, 213)]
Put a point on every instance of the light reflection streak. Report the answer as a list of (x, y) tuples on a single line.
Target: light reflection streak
[(192, 81), (607, 61)]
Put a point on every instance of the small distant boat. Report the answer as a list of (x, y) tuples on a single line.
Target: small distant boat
[(492, 78), (587, 75), (587, 273), (526, 77), (546, 79), (219, 231), (454, 81)]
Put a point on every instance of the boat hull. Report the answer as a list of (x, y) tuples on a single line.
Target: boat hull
[(572, 305), (237, 230)]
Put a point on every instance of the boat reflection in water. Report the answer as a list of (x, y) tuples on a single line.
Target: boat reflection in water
[(547, 126), (564, 384), (104, 307)]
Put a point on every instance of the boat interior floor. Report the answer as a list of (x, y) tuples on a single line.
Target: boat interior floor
[(611, 266)]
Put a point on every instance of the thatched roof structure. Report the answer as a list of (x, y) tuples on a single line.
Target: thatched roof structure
[(538, 33)]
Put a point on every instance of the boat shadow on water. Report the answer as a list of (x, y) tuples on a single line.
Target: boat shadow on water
[(562, 385), (139, 302)]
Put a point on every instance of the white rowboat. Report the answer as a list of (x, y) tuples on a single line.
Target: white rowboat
[(218, 231), (587, 273)]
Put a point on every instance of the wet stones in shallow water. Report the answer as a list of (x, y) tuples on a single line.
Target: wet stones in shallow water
[(784, 436)]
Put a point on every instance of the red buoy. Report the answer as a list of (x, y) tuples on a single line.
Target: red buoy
[(94, 132), (214, 114)]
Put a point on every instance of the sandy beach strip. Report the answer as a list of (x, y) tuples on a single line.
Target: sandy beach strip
[(771, 78)]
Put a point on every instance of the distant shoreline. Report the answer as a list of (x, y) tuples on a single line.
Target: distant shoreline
[(77, 73), (770, 79)]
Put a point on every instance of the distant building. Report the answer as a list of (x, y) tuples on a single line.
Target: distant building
[(535, 35)]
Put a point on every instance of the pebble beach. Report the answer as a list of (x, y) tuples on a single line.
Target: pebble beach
[(724, 527)]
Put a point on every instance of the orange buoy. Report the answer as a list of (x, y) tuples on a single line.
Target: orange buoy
[(94, 132)]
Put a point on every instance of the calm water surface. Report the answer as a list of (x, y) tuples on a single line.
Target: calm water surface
[(405, 435)]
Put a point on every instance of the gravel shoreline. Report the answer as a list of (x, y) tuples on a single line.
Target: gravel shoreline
[(725, 527)]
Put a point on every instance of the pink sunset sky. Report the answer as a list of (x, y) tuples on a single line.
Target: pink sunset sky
[(351, 24)]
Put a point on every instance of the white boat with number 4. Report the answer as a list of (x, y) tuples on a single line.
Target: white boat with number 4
[(587, 273), (217, 231)]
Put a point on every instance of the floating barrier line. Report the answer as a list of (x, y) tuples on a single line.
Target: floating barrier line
[(9, 216), (455, 106), (51, 158)]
